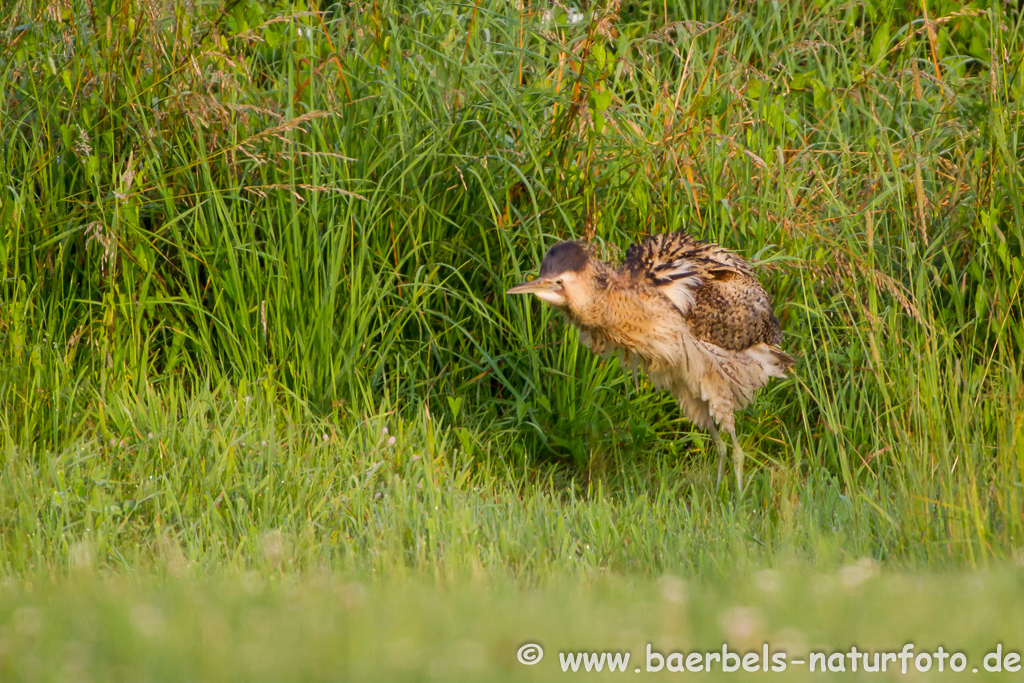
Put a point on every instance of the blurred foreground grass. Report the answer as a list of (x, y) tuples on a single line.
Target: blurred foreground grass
[(256, 626)]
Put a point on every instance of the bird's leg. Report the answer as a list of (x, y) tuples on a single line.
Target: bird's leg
[(737, 460), (722, 448)]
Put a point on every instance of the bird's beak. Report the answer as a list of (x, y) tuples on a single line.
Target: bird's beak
[(534, 287)]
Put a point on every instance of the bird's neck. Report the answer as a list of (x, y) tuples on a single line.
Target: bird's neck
[(608, 305)]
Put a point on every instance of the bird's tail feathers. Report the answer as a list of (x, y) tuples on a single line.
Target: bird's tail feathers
[(782, 358), (774, 361)]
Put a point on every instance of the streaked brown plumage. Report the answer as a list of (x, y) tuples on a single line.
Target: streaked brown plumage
[(691, 313)]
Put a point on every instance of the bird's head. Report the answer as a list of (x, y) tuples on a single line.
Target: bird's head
[(563, 275)]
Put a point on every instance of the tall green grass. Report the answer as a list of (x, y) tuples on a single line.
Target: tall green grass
[(230, 224)]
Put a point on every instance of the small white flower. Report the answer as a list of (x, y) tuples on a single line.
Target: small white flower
[(147, 620), (768, 580), (673, 589), (742, 625), (853, 576)]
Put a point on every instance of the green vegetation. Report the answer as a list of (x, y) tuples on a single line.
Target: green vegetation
[(246, 628), (252, 321)]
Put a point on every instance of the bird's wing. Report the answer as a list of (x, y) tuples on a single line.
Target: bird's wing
[(679, 265), (714, 289), (733, 311)]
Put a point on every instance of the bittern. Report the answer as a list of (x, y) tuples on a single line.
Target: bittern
[(691, 313)]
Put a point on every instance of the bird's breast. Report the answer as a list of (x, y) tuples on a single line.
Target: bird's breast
[(644, 326)]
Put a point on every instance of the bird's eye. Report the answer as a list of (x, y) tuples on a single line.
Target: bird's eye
[(558, 282)]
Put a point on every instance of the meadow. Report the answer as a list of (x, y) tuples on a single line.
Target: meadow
[(265, 409)]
